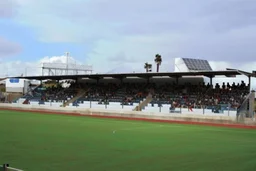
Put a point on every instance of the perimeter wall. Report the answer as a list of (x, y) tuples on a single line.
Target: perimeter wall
[(125, 114)]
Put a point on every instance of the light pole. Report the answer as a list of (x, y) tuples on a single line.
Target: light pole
[(26, 71), (67, 56)]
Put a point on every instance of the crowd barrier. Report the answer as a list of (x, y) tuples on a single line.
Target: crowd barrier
[(165, 109)]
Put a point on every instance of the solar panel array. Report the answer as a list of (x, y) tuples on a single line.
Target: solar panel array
[(197, 64)]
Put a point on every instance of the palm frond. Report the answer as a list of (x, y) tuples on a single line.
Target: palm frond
[(146, 65), (158, 59)]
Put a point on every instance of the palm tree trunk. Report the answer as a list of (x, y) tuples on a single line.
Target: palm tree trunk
[(157, 67), (147, 69)]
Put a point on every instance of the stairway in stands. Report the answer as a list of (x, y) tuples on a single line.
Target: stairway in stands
[(81, 92), (26, 101), (31, 94), (144, 103)]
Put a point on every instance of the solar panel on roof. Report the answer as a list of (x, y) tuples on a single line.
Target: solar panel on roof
[(197, 64)]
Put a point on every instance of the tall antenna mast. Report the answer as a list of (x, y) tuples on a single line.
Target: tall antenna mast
[(67, 56)]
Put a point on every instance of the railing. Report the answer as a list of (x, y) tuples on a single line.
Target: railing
[(155, 108), (246, 109)]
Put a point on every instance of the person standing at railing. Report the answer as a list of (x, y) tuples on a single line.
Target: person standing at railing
[(190, 107)]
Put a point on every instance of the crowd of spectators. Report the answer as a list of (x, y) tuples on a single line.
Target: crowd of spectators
[(123, 93), (53, 92), (201, 95), (186, 95)]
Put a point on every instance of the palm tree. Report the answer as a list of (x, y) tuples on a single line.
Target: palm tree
[(158, 61), (148, 67)]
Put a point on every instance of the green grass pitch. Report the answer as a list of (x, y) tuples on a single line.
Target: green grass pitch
[(44, 142)]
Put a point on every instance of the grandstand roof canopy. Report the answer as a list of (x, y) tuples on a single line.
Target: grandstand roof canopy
[(227, 73)]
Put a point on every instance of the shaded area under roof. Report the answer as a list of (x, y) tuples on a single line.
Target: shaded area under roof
[(228, 73)]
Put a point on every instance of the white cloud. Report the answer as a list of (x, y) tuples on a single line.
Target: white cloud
[(57, 59), (18, 68)]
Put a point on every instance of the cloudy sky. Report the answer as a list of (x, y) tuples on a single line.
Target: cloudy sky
[(120, 36)]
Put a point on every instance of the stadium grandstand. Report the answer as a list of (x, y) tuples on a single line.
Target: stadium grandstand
[(182, 91)]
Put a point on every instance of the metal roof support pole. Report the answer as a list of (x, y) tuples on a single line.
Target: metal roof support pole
[(249, 82), (177, 80), (148, 80), (251, 104), (121, 80), (211, 81)]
